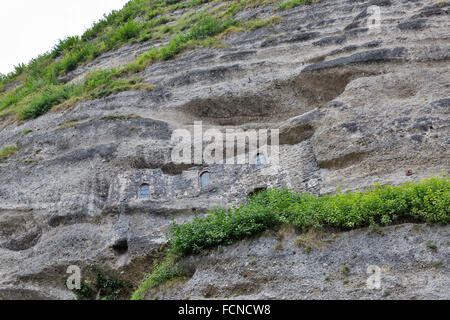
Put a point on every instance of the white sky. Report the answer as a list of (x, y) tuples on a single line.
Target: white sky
[(32, 27)]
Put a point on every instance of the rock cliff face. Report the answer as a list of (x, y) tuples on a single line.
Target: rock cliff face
[(355, 106)]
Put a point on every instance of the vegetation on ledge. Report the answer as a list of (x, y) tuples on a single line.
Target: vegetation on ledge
[(425, 201), (97, 84), (163, 271)]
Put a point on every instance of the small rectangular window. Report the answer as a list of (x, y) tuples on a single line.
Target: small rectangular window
[(144, 191), (205, 179), (260, 161)]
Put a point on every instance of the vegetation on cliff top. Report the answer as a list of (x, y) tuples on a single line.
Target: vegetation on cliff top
[(179, 24), (427, 201)]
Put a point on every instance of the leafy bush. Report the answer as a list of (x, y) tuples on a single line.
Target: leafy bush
[(145, 37), (102, 287), (26, 131), (208, 26), (103, 83), (172, 1), (151, 14), (7, 152), (293, 3), (80, 54), (133, 9), (129, 30), (99, 78), (162, 271), (51, 96), (19, 69), (259, 23), (65, 45), (194, 3), (9, 100), (97, 28), (175, 46), (157, 22), (426, 201)]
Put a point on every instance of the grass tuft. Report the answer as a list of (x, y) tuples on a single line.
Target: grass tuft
[(8, 152), (50, 97), (163, 271), (294, 3)]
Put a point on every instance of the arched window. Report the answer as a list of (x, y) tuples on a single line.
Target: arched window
[(205, 179), (260, 161), (144, 191)]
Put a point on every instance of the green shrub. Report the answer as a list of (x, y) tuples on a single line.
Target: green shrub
[(129, 30), (293, 3), (194, 3), (152, 13), (19, 69), (80, 54), (431, 245), (26, 131), (102, 83), (51, 96), (98, 285), (259, 23), (9, 100), (425, 201), (7, 152), (123, 33), (143, 61), (175, 46), (208, 26), (145, 37), (133, 9), (162, 272), (65, 45), (172, 1), (99, 78), (154, 23), (97, 29)]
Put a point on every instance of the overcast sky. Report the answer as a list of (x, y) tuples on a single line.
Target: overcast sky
[(32, 27)]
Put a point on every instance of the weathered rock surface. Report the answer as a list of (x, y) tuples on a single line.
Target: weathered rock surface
[(326, 266), (354, 105)]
